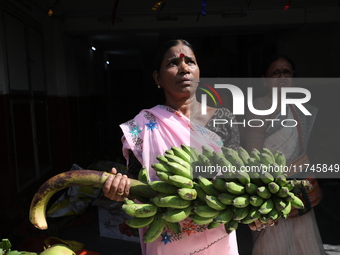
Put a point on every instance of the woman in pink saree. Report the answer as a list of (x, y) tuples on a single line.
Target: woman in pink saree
[(178, 121)]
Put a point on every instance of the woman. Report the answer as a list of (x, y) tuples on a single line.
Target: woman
[(299, 233), (178, 121)]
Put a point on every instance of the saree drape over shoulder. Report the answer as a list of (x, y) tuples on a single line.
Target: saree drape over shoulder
[(148, 135)]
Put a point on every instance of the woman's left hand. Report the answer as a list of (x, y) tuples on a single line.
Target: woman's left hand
[(258, 225), (117, 186)]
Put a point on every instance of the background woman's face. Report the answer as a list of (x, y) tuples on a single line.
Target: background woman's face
[(177, 72), (279, 74)]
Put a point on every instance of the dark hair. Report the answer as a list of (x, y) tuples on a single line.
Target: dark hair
[(272, 59), (165, 47)]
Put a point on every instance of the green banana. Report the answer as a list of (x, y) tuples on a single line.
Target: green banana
[(206, 211), (274, 214), (228, 150), (181, 181), (263, 192), (226, 198), (192, 151), (234, 159), (176, 215), (164, 176), (179, 152), (213, 224), (162, 159), (161, 167), (253, 162), (268, 152), (225, 216), (243, 154), (214, 202), (176, 168), (219, 184), (241, 213), (280, 158), (289, 185), (163, 187), (175, 227), (207, 186), (232, 225), (208, 153), (256, 200), (154, 230), (187, 193), (283, 192), (140, 210), (243, 177), (251, 188), (266, 159), (228, 167), (137, 222), (253, 213), (266, 177), (178, 160), (58, 248), (295, 201), (143, 175), (273, 187), (255, 153), (241, 201), (276, 170), (218, 156), (222, 161), (204, 160), (267, 206), (199, 220), (128, 201), (200, 192), (263, 218), (285, 211), (256, 178), (172, 201), (235, 188), (169, 152), (279, 203), (281, 180)]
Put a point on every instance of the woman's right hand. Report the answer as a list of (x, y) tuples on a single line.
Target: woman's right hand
[(116, 186)]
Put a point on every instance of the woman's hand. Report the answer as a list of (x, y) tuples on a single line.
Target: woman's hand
[(117, 186), (258, 225)]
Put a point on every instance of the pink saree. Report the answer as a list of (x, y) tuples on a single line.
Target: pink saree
[(149, 134)]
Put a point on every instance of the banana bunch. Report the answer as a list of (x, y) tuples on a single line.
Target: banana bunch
[(248, 187), (254, 187)]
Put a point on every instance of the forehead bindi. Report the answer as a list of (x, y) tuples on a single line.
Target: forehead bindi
[(180, 51)]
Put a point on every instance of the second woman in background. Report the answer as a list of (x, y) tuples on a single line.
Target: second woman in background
[(298, 234)]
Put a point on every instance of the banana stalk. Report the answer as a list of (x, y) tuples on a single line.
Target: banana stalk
[(75, 178)]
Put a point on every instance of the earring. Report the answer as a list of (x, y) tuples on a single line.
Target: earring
[(159, 86)]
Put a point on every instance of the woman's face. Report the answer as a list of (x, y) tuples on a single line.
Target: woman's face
[(280, 74), (178, 73)]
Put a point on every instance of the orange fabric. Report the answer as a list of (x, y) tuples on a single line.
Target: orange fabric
[(86, 252)]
